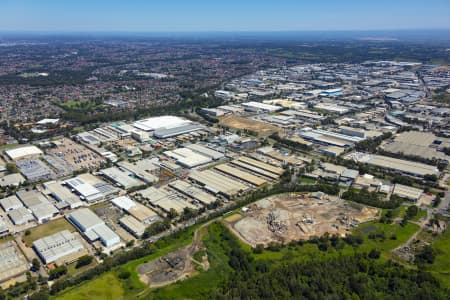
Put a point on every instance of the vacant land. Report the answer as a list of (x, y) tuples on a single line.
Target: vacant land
[(441, 265), (288, 217), (47, 229), (244, 124), (105, 287)]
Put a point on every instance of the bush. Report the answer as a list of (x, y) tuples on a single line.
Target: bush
[(124, 274), (84, 261)]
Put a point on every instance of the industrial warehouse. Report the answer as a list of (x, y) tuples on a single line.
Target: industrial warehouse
[(395, 164), (60, 248)]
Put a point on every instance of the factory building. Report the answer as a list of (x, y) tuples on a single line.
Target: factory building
[(407, 192), (61, 247), (241, 175), (93, 228), (192, 191), (217, 183)]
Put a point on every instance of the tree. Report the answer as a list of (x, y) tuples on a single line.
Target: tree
[(57, 272), (35, 265), (84, 261), (172, 214), (156, 227), (12, 168)]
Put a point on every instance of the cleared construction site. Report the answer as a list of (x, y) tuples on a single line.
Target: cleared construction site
[(287, 217)]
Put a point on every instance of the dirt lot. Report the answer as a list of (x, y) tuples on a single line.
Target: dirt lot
[(288, 217), (261, 128), (177, 265)]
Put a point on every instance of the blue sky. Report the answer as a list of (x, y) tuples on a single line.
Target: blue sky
[(224, 15)]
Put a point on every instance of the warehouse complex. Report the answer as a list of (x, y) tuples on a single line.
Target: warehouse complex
[(93, 228)]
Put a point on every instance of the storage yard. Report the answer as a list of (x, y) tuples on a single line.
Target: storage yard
[(288, 217)]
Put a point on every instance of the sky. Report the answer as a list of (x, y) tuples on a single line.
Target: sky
[(224, 15)]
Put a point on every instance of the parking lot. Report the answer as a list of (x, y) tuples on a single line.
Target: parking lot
[(75, 155)]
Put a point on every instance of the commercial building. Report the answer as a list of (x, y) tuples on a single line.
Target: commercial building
[(330, 138), (35, 169), (12, 262), (20, 216), (332, 108), (259, 164), (353, 131), (61, 247), (217, 183), (260, 107), (92, 227), (38, 204), (85, 190), (407, 192), (61, 194), (133, 226), (23, 152), (206, 151), (333, 151), (10, 203), (13, 179), (140, 212), (164, 133), (144, 169), (155, 123), (121, 178)]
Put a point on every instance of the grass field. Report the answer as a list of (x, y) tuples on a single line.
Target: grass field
[(47, 229), (441, 266), (105, 287), (306, 180)]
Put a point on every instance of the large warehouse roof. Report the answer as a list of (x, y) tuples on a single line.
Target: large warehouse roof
[(58, 245), (85, 219), (192, 191), (18, 153), (206, 151), (188, 158), (218, 183), (245, 176), (155, 123)]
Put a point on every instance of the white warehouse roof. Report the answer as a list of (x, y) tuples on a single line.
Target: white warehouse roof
[(155, 123), (20, 152)]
